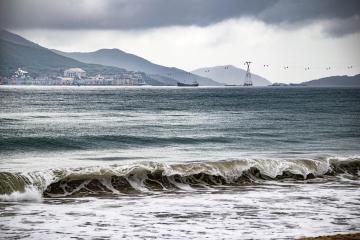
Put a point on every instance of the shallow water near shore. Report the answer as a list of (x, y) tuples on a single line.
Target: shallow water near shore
[(175, 163)]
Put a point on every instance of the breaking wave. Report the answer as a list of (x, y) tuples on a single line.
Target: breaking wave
[(153, 176), (30, 194)]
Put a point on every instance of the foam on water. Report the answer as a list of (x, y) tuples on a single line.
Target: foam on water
[(30, 194), (274, 210), (153, 176)]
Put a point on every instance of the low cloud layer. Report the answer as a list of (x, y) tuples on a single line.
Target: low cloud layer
[(339, 17)]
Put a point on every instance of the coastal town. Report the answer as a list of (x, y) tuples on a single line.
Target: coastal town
[(74, 76)]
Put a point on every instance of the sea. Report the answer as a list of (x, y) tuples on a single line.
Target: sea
[(81, 162)]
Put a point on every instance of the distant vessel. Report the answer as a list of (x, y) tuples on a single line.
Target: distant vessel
[(193, 84)]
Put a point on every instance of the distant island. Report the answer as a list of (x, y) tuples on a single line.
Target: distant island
[(335, 81)]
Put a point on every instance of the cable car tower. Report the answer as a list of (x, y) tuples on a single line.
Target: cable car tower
[(248, 82)]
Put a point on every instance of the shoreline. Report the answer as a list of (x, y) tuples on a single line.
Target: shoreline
[(346, 236)]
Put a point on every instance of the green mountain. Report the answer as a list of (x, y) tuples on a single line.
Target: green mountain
[(13, 38), (335, 81), (38, 61), (16, 52), (118, 58)]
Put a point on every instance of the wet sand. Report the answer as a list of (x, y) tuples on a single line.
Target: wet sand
[(351, 236)]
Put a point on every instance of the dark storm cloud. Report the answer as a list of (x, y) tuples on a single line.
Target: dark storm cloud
[(343, 15)]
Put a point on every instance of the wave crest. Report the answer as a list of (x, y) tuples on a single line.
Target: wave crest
[(153, 176), (30, 194)]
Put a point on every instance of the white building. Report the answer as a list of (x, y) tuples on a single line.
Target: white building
[(74, 73), (21, 73)]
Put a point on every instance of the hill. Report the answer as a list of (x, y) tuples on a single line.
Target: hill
[(335, 81), (118, 58), (230, 75), (38, 61), (16, 51), (13, 38)]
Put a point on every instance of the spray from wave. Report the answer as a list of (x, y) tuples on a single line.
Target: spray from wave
[(30, 194), (153, 176)]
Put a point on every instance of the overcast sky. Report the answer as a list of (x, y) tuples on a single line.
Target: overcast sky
[(201, 33)]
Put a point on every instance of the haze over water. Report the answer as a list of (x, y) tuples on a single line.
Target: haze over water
[(174, 163)]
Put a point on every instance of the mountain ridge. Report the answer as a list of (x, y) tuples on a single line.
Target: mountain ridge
[(38, 60), (17, 39), (118, 58)]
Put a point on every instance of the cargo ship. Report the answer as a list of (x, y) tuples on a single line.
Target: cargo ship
[(193, 84)]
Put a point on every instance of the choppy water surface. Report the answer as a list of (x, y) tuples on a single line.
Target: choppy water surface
[(178, 163)]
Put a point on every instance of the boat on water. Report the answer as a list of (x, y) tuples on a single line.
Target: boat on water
[(237, 85), (193, 84)]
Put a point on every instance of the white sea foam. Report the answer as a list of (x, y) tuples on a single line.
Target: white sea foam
[(30, 194)]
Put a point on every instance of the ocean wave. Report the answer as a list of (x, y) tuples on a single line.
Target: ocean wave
[(154, 176), (30, 194)]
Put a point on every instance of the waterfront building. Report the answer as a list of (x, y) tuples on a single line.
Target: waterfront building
[(19, 73), (77, 73)]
